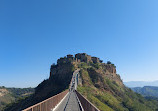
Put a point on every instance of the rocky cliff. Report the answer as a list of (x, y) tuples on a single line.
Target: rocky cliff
[(64, 64)]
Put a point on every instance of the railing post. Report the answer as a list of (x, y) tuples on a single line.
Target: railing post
[(40, 107)]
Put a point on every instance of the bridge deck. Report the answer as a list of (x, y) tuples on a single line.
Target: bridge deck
[(70, 103)]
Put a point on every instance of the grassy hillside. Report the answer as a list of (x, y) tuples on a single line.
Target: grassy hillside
[(10, 95), (108, 95), (147, 91)]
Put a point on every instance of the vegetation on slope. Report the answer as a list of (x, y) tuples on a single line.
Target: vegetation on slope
[(147, 91), (108, 95), (10, 95)]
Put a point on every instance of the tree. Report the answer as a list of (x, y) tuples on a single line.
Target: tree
[(108, 62)]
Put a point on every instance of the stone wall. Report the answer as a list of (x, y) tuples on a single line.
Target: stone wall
[(83, 57), (95, 60)]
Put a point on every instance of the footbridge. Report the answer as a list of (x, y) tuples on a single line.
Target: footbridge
[(68, 100)]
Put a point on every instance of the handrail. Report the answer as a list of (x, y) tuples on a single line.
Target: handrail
[(80, 105), (47, 104), (87, 105)]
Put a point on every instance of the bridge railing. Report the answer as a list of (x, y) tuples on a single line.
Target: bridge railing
[(48, 104), (87, 105)]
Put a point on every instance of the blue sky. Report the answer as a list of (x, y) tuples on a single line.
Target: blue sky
[(35, 33)]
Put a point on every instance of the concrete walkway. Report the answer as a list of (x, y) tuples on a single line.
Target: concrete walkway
[(70, 103)]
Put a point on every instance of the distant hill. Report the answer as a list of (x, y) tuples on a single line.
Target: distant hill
[(10, 95), (147, 91), (141, 83)]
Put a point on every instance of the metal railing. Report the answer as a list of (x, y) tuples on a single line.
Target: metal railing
[(48, 104), (79, 103), (87, 105)]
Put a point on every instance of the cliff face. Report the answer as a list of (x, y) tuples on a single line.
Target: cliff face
[(92, 65), (109, 71), (64, 64)]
